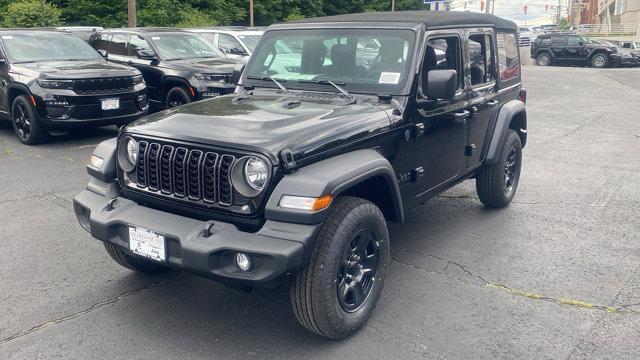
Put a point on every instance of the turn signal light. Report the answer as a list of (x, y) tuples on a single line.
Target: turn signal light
[(305, 203)]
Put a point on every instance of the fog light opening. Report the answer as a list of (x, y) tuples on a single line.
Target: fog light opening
[(243, 262)]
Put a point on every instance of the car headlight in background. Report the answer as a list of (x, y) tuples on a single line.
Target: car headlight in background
[(56, 84), (138, 79), (256, 173)]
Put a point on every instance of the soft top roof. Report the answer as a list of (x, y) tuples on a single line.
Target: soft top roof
[(431, 19)]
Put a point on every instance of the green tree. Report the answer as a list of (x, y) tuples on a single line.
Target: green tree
[(30, 13), (106, 13)]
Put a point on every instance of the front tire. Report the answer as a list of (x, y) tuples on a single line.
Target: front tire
[(132, 262), (599, 61), (543, 59), (496, 184), (335, 294), (176, 96), (25, 122)]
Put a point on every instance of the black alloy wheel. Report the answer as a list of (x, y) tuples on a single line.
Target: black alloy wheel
[(511, 170), (497, 183), (177, 97), (357, 272), (25, 121)]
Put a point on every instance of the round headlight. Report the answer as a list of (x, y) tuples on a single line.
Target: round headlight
[(256, 173), (132, 151)]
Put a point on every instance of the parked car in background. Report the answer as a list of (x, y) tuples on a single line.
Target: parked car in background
[(628, 57), (84, 32), (178, 66), (631, 45), (67, 86), (525, 36), (552, 49), (236, 42)]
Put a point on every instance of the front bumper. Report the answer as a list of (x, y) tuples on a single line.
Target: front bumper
[(277, 249)]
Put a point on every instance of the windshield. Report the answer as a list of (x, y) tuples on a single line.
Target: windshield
[(178, 46), (35, 47), (250, 41), (366, 60)]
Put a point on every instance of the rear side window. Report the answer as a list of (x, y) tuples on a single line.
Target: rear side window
[(508, 56), (99, 41), (118, 44), (572, 41), (560, 40), (227, 42), (481, 59)]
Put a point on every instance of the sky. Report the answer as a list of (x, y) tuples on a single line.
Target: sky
[(512, 9)]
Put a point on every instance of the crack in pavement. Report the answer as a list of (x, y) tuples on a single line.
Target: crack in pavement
[(626, 308), (89, 309), (28, 197)]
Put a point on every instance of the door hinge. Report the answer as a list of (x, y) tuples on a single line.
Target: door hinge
[(287, 159), (469, 149), (416, 174), (418, 130)]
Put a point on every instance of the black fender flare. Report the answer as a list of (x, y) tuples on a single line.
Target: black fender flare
[(540, 51), (505, 115), (106, 169), (169, 79), (333, 176), (12, 87)]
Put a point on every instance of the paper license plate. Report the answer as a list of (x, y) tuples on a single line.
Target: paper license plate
[(110, 104), (147, 243)]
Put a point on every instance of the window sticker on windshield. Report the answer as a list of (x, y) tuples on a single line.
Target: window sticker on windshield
[(389, 78), (155, 37), (7, 37)]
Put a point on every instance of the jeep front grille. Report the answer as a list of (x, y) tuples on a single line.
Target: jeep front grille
[(194, 175), (103, 85)]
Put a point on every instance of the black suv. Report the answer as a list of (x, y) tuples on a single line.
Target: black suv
[(295, 176), (573, 49), (178, 66), (52, 81)]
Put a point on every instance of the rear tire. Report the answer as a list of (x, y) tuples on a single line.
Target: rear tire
[(132, 262), (26, 124), (497, 183), (176, 96), (335, 293), (599, 60), (543, 59)]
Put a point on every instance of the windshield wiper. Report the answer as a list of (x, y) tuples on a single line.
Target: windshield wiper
[(335, 85), (270, 78)]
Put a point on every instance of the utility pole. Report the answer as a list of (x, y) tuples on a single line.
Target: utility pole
[(131, 13), (42, 15), (393, 5), (251, 13)]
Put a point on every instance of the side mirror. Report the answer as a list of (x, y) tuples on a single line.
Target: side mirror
[(580, 43), (146, 55), (237, 51), (103, 53), (442, 84)]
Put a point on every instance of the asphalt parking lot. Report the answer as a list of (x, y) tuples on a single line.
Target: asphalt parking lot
[(555, 275)]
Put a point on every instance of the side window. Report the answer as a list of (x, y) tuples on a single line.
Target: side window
[(481, 67), (572, 41), (137, 43), (442, 53), (508, 56), (118, 44), (559, 41), (227, 42), (99, 41)]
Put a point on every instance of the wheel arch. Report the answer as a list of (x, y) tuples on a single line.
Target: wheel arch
[(512, 115), (172, 81), (15, 90), (361, 173)]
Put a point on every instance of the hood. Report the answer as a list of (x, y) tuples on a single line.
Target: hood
[(267, 125), (209, 66), (74, 69)]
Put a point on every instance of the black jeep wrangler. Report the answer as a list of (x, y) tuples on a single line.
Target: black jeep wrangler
[(52, 81), (295, 175), (573, 49), (178, 66)]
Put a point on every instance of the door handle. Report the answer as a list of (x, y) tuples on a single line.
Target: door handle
[(461, 117), (491, 104)]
